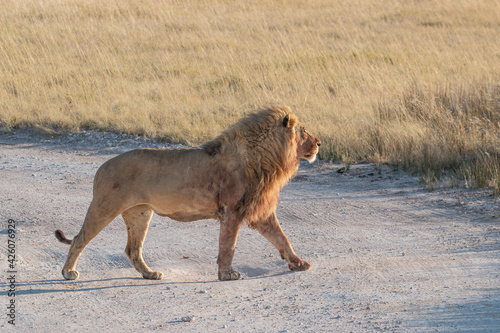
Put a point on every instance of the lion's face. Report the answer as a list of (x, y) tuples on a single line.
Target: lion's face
[(307, 144)]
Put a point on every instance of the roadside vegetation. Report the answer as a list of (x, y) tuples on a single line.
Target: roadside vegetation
[(411, 83)]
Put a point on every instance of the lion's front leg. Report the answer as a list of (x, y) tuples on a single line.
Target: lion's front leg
[(229, 229), (271, 229)]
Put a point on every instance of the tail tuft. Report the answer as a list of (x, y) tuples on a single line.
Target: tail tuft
[(60, 237)]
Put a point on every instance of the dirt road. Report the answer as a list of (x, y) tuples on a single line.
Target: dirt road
[(387, 255)]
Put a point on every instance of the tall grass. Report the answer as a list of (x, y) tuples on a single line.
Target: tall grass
[(375, 80), (454, 129)]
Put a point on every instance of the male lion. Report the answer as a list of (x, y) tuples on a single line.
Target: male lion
[(235, 178)]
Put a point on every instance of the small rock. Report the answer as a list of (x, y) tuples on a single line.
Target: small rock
[(188, 319)]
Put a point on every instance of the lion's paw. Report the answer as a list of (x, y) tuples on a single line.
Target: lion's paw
[(70, 275), (229, 275), (153, 276), (300, 265)]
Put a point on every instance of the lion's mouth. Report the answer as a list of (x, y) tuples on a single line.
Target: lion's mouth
[(310, 157)]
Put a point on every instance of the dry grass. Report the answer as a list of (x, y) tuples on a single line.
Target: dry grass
[(456, 129), (387, 81)]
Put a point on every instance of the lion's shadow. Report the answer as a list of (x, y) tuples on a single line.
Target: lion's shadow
[(51, 286), (251, 272), (83, 285)]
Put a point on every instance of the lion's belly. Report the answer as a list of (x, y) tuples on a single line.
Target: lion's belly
[(187, 216), (185, 210)]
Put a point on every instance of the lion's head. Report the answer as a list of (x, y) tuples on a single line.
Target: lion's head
[(274, 132)]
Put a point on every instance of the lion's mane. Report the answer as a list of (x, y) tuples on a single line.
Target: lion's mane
[(265, 143)]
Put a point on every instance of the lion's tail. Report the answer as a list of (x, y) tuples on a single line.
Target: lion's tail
[(60, 237)]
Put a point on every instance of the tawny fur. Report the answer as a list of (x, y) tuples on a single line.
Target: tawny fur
[(234, 178)]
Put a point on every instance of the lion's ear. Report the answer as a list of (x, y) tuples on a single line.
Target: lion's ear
[(285, 120), (289, 120)]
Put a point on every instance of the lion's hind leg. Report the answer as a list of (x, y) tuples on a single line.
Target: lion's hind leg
[(96, 219), (137, 220)]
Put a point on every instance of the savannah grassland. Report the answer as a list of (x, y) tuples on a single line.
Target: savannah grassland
[(412, 83)]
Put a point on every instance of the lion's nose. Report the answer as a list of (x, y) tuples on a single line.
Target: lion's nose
[(318, 143)]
